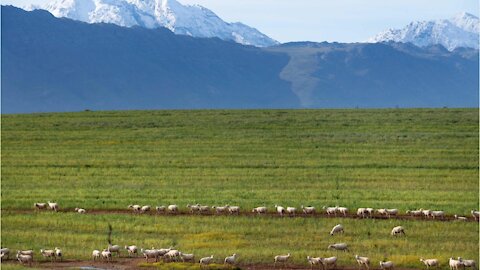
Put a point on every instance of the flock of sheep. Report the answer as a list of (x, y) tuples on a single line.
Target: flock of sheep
[(282, 211)]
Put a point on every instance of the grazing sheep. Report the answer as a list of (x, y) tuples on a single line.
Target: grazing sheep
[(281, 258), (135, 207), (48, 254), (430, 262), (460, 218), (96, 254), (386, 265), (363, 261), (171, 255), (58, 253), (397, 230), (468, 263), (194, 208), (280, 210), (204, 209), (361, 212), (369, 211), (25, 252), (330, 210), (80, 210), (382, 211), (339, 246), (387, 212), (53, 206), (187, 257), (231, 259), (415, 213), (337, 229), (437, 214), (330, 261), (161, 209), (454, 264), (426, 213), (260, 210), (23, 259), (5, 252), (291, 210), (114, 249), (150, 253), (145, 208), (342, 210), (309, 210), (40, 206), (475, 214), (132, 250), (314, 261), (220, 209), (106, 255), (173, 208), (234, 210), (206, 261)]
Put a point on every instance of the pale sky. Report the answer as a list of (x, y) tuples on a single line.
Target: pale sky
[(324, 20)]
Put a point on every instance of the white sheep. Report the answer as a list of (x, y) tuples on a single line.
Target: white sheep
[(58, 253), (415, 213), (96, 254), (25, 252), (173, 208), (114, 249), (220, 209), (337, 229), (455, 264), (430, 262), (48, 254), (5, 252), (260, 210), (280, 210), (342, 210), (23, 259), (132, 250), (309, 210), (205, 261), (362, 261), (437, 214), (330, 261), (339, 246), (231, 259), (234, 209), (187, 257), (150, 253), (281, 258), (145, 208), (460, 218), (171, 255), (475, 214), (388, 212), (386, 265), (291, 210), (314, 261), (106, 255), (397, 230), (40, 206), (426, 212), (53, 206), (361, 212), (369, 211), (330, 210), (468, 263), (193, 208), (160, 209), (204, 209), (80, 210), (135, 207)]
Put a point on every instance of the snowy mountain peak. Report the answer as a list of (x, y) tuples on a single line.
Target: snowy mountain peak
[(192, 20), (462, 30)]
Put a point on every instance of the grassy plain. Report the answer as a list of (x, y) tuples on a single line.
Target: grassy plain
[(394, 158)]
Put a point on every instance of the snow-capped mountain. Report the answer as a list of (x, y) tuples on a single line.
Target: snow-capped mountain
[(460, 31), (192, 20)]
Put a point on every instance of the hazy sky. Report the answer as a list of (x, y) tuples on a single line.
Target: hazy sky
[(325, 20)]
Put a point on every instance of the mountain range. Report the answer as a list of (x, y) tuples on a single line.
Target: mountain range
[(460, 31), (58, 64), (191, 20)]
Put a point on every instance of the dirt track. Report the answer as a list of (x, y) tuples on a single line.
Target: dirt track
[(132, 263), (246, 214)]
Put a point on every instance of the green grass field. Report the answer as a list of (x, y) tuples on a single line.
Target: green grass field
[(403, 158)]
